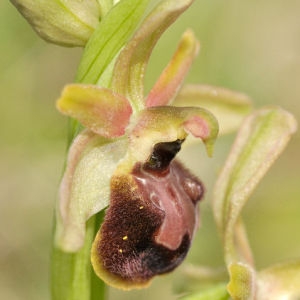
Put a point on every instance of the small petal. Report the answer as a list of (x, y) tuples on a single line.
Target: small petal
[(63, 22), (131, 65), (167, 124), (148, 226), (229, 107), (262, 137), (84, 189), (169, 82), (99, 109)]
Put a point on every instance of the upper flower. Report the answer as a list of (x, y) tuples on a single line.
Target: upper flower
[(74, 22), (68, 23)]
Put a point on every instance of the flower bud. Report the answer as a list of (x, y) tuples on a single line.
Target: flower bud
[(63, 22)]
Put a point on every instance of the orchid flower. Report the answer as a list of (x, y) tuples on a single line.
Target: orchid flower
[(125, 158)]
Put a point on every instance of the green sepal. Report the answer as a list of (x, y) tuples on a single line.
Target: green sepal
[(85, 186), (130, 67), (260, 140)]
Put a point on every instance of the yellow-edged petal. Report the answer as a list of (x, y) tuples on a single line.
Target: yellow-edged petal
[(99, 109)]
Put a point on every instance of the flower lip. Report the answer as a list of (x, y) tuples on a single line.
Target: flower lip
[(149, 225), (151, 220)]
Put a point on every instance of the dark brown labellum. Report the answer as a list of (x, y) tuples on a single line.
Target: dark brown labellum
[(150, 222)]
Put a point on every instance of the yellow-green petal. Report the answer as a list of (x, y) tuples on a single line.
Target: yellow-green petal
[(99, 109), (169, 82)]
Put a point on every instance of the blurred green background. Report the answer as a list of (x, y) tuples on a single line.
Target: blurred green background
[(250, 46)]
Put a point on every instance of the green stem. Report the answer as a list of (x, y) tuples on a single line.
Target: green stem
[(73, 277), (98, 287)]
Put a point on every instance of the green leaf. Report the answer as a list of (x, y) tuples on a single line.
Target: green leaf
[(85, 186), (260, 140), (108, 38), (229, 107), (72, 275), (129, 72)]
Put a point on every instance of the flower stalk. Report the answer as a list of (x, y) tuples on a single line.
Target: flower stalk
[(72, 276)]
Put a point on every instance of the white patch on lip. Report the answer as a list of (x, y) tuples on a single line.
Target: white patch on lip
[(154, 198)]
